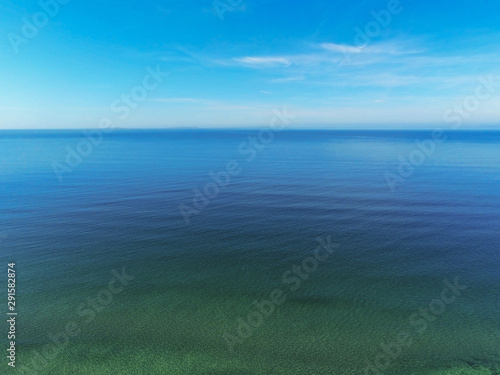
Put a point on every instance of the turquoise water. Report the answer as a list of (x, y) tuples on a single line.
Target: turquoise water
[(194, 301)]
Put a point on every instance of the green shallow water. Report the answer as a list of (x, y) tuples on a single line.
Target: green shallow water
[(184, 336)]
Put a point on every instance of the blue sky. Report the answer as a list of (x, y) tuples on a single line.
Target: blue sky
[(259, 56)]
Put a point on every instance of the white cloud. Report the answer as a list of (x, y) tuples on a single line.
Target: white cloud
[(174, 100), (264, 61), (288, 79), (342, 48)]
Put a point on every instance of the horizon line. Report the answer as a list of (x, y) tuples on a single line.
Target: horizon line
[(252, 128)]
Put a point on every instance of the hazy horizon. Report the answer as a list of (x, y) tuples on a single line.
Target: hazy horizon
[(253, 128)]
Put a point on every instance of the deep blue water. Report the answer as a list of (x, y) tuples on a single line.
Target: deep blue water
[(120, 207)]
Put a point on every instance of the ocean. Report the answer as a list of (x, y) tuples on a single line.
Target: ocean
[(234, 252)]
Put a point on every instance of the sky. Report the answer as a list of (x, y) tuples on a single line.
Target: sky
[(230, 63)]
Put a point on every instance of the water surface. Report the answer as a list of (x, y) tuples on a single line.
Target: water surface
[(194, 283)]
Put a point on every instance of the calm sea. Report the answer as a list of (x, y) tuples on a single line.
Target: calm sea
[(218, 232)]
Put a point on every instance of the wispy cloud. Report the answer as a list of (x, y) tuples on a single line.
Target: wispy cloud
[(388, 64), (341, 48), (288, 79), (327, 55), (264, 61), (175, 100)]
